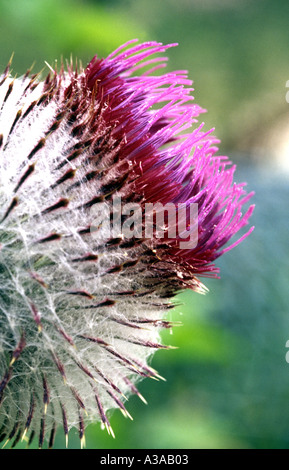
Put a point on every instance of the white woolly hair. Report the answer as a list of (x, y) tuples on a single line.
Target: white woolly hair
[(63, 360)]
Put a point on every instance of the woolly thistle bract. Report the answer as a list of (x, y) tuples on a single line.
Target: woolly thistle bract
[(80, 316)]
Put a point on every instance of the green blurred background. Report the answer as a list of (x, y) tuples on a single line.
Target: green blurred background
[(227, 384)]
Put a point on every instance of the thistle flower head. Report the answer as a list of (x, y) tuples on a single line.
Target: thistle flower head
[(80, 313)]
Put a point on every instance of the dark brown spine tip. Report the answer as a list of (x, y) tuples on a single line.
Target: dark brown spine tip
[(106, 303), (130, 264), (18, 116), (103, 416), (12, 206), (52, 436), (81, 293), (149, 344), (41, 432), (31, 438), (119, 404), (122, 358), (46, 395), (115, 269), (13, 431), (84, 369), (44, 98), (17, 439), (131, 243), (88, 257), (5, 380), (59, 366), (62, 203), (69, 158), (126, 293), (1, 140), (85, 231), (78, 130), (107, 380), (29, 109), (65, 335), (50, 238), (23, 178), (37, 147), (64, 422), (77, 398), (113, 242), (7, 70), (114, 186), (67, 176), (31, 85), (30, 416), (53, 128), (10, 88), (15, 428), (134, 390), (88, 177), (28, 72), (99, 341), (38, 279), (18, 350), (81, 430), (93, 201)]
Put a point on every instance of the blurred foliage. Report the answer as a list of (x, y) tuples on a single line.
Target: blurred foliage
[(227, 386), (46, 30)]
